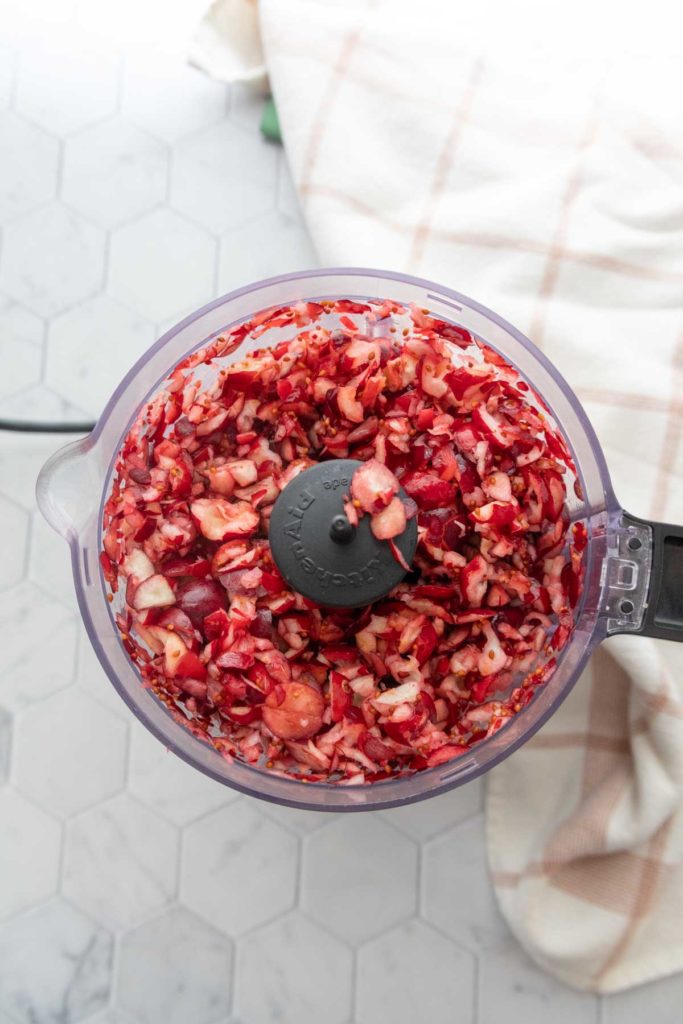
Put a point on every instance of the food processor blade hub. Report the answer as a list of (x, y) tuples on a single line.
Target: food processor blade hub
[(320, 553)]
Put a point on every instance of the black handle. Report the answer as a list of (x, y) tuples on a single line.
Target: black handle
[(663, 614)]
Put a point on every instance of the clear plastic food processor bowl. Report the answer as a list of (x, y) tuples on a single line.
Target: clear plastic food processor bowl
[(634, 569)]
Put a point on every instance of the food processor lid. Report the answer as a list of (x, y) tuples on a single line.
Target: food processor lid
[(318, 550)]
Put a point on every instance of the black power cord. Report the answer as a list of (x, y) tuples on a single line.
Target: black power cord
[(33, 427)]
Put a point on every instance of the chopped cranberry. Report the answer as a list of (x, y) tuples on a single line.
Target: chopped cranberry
[(199, 598), (296, 714), (429, 491), (439, 664)]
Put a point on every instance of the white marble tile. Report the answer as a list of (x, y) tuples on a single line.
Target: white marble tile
[(13, 537), (161, 264), (111, 1016), (8, 60), (412, 973), (114, 172), (162, 326), (359, 876), (20, 461), (5, 744), (92, 678), (238, 868), (26, 25), (246, 105), (50, 562), (22, 610), (287, 196), (38, 674), (223, 177), (28, 170), (65, 83), (25, 363), (76, 340), (457, 892), (69, 753), (147, 29), (175, 969), (293, 971), (274, 244), (56, 966), (168, 98), (19, 323), (51, 259), (659, 1002), (511, 986), (434, 815), (120, 863), (29, 854), (166, 783), (295, 818)]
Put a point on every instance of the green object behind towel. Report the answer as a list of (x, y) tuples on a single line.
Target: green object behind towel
[(270, 125)]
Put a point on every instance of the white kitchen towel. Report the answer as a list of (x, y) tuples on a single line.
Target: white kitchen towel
[(533, 159), (227, 43)]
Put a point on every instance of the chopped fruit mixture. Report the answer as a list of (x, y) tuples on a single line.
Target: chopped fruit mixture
[(345, 696), (374, 489)]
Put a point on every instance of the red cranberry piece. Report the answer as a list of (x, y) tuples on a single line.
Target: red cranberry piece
[(139, 476), (295, 713), (199, 598)]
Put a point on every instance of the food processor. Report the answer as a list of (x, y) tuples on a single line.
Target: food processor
[(633, 580)]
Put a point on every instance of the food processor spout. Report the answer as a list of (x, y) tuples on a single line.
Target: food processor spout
[(65, 487)]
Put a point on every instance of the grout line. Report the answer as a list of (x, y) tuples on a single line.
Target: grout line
[(298, 881), (234, 973), (253, 929), (115, 970), (44, 350), (325, 928), (29, 543), (57, 599), (419, 871), (13, 218), (128, 745), (8, 727), (476, 982), (170, 161), (22, 305), (76, 411), (59, 176), (354, 982), (428, 922), (61, 857)]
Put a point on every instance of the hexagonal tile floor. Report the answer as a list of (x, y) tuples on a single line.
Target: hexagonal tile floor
[(239, 868), (133, 890)]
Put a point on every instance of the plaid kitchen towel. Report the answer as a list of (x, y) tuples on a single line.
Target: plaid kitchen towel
[(533, 159)]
